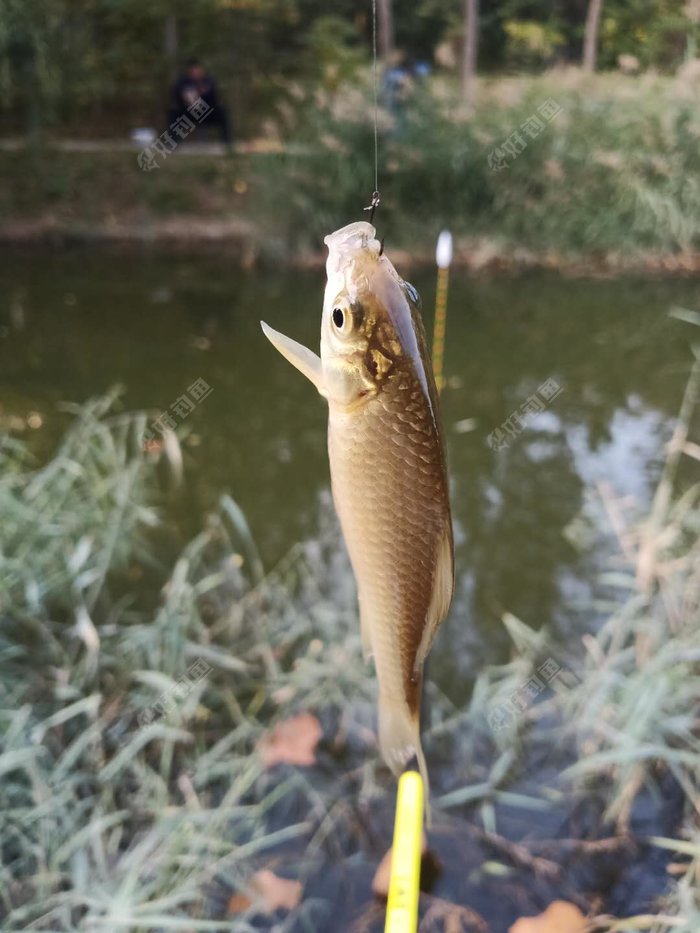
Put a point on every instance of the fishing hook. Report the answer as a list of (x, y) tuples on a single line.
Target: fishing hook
[(376, 201)]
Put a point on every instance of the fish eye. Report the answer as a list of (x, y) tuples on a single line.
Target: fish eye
[(345, 315)]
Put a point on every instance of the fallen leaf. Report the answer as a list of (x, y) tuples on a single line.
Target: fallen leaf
[(382, 876), (559, 917), (275, 892), (293, 741), (238, 904), (450, 918)]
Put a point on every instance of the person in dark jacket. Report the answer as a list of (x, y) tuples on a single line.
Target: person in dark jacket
[(194, 85)]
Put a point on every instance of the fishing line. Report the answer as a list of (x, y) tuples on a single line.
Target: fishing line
[(376, 197)]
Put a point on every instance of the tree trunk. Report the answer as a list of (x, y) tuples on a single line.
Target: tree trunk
[(385, 29), (170, 40), (590, 41), (471, 47)]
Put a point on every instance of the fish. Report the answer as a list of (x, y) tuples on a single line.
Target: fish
[(388, 469)]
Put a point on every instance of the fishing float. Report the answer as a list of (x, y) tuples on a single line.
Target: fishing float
[(443, 259)]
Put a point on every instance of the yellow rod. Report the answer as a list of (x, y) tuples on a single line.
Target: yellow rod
[(443, 276), (404, 886)]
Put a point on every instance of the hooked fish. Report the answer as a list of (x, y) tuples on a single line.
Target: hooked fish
[(388, 470)]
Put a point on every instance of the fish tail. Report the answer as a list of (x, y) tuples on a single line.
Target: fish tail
[(399, 741)]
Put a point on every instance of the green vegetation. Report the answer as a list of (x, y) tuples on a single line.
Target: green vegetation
[(611, 178), (109, 817), (104, 190), (616, 170), (114, 816), (105, 65), (635, 713)]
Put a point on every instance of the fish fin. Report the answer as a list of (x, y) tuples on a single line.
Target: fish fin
[(305, 360), (443, 587), (399, 741)]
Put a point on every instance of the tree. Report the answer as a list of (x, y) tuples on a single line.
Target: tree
[(471, 47), (590, 40), (385, 29), (170, 43)]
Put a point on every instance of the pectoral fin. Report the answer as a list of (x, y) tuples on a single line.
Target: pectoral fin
[(443, 586), (298, 355)]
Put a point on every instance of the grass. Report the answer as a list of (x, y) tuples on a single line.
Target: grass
[(612, 172), (109, 821), (634, 717), (637, 711), (107, 190), (116, 817)]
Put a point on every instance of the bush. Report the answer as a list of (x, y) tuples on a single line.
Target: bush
[(615, 170)]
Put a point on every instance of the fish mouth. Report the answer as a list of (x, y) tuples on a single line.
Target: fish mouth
[(343, 244)]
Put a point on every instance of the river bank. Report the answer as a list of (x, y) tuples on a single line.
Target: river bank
[(592, 175), (244, 244)]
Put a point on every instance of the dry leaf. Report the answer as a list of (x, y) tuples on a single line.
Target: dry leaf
[(382, 876), (293, 741), (275, 892), (238, 904), (450, 918), (559, 917)]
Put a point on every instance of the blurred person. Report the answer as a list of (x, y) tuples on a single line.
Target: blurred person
[(421, 70), (398, 84), (194, 83)]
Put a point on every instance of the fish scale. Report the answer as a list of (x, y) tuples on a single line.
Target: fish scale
[(375, 522)]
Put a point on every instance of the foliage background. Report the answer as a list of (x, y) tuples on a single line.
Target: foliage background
[(104, 65)]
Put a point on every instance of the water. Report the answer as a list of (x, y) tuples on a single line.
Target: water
[(73, 323)]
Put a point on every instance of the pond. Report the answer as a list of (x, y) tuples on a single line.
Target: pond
[(75, 322)]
